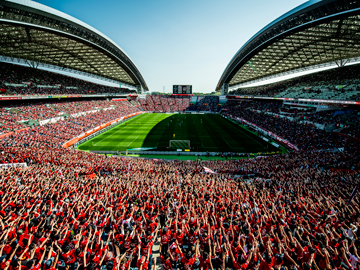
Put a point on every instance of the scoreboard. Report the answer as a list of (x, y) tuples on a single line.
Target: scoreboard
[(182, 89)]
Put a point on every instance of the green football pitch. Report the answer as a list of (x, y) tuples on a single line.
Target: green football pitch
[(206, 132)]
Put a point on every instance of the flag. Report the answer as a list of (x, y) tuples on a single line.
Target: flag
[(353, 193), (174, 247), (207, 170), (92, 176)]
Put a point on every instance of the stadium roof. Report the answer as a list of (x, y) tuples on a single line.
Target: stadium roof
[(316, 32), (40, 34)]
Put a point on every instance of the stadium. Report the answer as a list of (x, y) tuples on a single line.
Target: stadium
[(104, 173)]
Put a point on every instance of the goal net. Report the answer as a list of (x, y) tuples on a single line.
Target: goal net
[(179, 144)]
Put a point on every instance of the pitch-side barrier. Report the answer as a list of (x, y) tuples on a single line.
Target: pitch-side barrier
[(176, 153)]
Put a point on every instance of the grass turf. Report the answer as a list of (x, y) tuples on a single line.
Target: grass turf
[(206, 132)]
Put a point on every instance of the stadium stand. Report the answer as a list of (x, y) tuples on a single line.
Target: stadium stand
[(304, 136), (65, 209), (208, 103), (109, 201), (17, 116), (335, 84), (345, 121), (165, 103), (56, 134), (20, 80), (117, 207)]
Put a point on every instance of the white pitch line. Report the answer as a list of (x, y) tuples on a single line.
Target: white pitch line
[(103, 139), (107, 135), (110, 132), (147, 123), (133, 140)]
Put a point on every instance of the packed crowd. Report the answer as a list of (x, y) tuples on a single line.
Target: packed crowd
[(84, 211), (347, 121), (17, 116), (165, 103), (259, 105), (56, 134), (70, 209), (304, 136), (352, 130), (20, 80), (208, 103), (327, 117)]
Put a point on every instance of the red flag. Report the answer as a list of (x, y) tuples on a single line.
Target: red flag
[(207, 170)]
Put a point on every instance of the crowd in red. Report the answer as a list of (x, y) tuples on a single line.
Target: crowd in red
[(304, 136), (70, 209), (13, 115), (344, 120), (54, 135), (165, 103), (20, 80)]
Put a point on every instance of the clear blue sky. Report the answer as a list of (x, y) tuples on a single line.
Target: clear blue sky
[(177, 41)]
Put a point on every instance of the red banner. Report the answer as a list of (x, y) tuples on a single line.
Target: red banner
[(342, 170), (273, 135), (16, 131), (10, 98), (347, 136)]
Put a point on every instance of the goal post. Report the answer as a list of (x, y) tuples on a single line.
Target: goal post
[(179, 144)]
